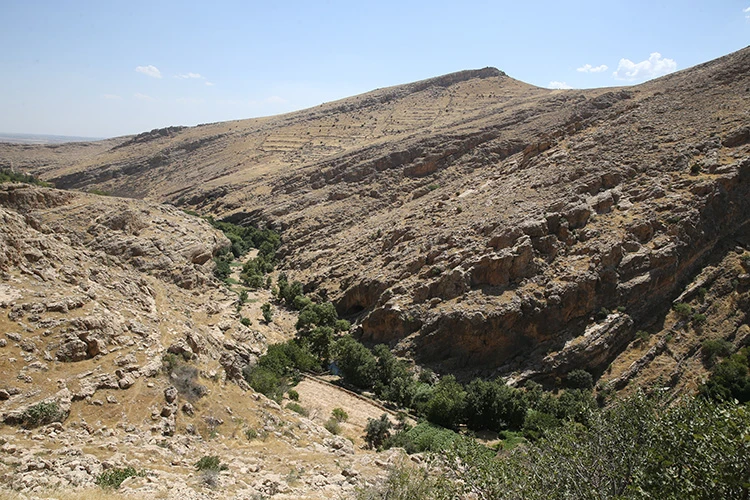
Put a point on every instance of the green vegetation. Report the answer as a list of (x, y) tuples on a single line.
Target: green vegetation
[(715, 348), (7, 175), (298, 408), (642, 335), (378, 431), (640, 447), (210, 463), (339, 414), (246, 321), (242, 240), (113, 478), (293, 395), (730, 379), (280, 367), (422, 437), (683, 310), (580, 379), (42, 414), (333, 426), (267, 312)]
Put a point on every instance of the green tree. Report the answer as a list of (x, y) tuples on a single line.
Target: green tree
[(267, 312), (355, 362), (446, 405), (377, 431)]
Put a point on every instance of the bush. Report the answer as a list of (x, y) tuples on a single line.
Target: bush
[(246, 321), (730, 379), (421, 438), (210, 462), (42, 414), (266, 381), (333, 426), (683, 310), (223, 269), (251, 434), (297, 408), (265, 309), (715, 348), (113, 478), (7, 175), (378, 431), (580, 379), (407, 481), (293, 395), (184, 377), (340, 415)]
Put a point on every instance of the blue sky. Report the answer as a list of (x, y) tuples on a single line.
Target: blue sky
[(109, 68)]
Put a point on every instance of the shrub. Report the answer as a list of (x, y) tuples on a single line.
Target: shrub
[(298, 408), (113, 478), (698, 319), (267, 312), (683, 310), (184, 377), (251, 434), (293, 395), (602, 314), (210, 462), (333, 426), (711, 349), (377, 431), (266, 381), (340, 414), (407, 481), (223, 269), (7, 175), (246, 321), (642, 335), (421, 438), (580, 379), (42, 414), (730, 379)]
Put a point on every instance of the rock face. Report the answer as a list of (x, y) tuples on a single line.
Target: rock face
[(472, 221)]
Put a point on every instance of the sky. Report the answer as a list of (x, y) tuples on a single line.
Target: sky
[(106, 68)]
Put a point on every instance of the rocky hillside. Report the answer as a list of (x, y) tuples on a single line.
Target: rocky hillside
[(119, 349), (477, 223)]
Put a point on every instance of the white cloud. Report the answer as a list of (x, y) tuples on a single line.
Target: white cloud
[(143, 97), (747, 13), (186, 76), (209, 84), (112, 97), (654, 66), (149, 70), (559, 85), (587, 68)]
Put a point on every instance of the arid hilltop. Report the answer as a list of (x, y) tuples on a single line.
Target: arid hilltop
[(475, 222)]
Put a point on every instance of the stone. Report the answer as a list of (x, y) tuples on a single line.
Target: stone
[(170, 394)]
